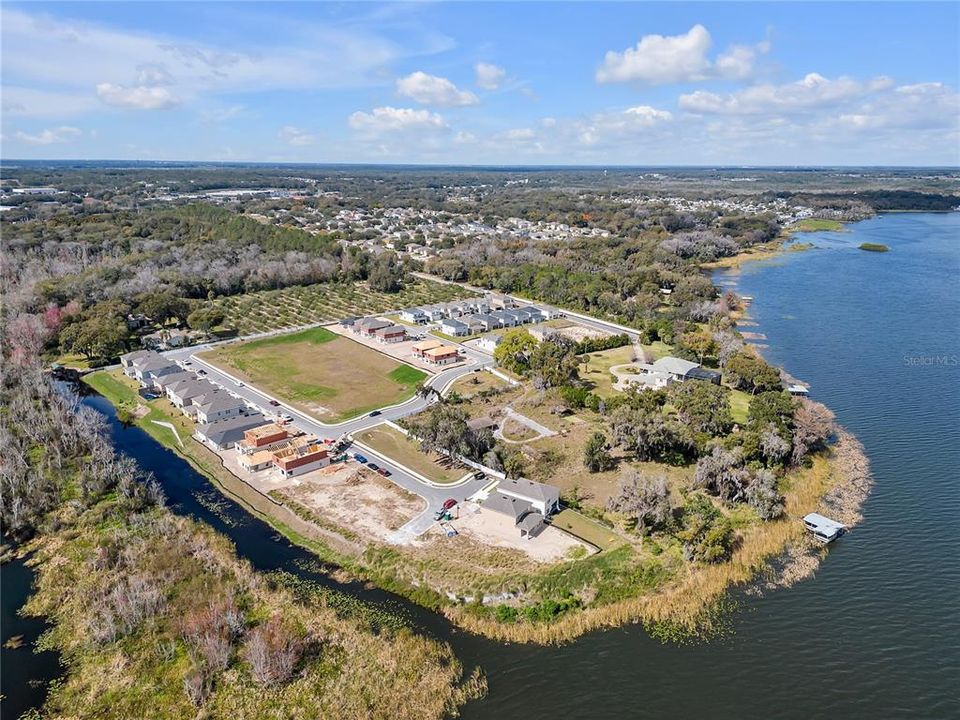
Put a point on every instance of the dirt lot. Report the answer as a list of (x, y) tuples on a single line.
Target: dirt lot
[(358, 500), (331, 377), (496, 529)]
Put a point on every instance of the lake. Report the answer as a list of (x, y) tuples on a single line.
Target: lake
[(875, 632)]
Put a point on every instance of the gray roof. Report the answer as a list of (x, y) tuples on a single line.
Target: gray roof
[(450, 322), (155, 365), (531, 521), (675, 366), (136, 355), (218, 402), (389, 329), (173, 378), (228, 431), (372, 323), (414, 310), (511, 507), (529, 489), (191, 387)]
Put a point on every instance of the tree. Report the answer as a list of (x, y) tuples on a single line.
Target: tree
[(164, 306), (513, 352), (272, 651), (205, 318), (702, 405), (554, 363), (813, 426), (763, 496), (699, 343), (773, 446), (722, 473), (596, 457), (649, 435), (386, 275), (646, 500), (707, 534), (96, 338), (747, 371)]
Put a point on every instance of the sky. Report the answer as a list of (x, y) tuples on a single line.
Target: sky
[(543, 83)]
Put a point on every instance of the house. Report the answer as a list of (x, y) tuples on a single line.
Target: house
[(434, 313), (543, 498), (500, 302), (443, 355), (489, 322), (503, 318), (650, 380), (255, 461), (454, 327), (150, 366), (681, 369), (164, 381), (348, 323), (224, 434), (218, 406), (489, 343), (295, 461), (167, 339), (182, 392), (521, 315), (414, 315), (390, 334), (262, 436), (128, 360), (549, 312), (368, 326), (421, 347), (526, 518), (536, 314)]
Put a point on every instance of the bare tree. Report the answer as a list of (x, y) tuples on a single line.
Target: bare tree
[(272, 651), (643, 498)]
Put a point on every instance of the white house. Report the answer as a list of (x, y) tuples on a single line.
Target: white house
[(414, 315), (545, 499), (454, 327), (218, 406), (489, 343)]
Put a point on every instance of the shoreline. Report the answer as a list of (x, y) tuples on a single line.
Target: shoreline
[(686, 607)]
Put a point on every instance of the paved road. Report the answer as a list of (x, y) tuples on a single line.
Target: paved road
[(433, 495)]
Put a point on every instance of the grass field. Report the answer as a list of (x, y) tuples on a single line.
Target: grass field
[(815, 225), (316, 371), (597, 370), (585, 529), (305, 304), (739, 405), (477, 382), (397, 446)]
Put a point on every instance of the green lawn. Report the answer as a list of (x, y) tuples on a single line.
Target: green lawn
[(586, 529), (319, 372), (597, 370), (406, 452), (815, 225), (739, 405)]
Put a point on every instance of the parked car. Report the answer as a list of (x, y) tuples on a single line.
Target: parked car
[(448, 503), (274, 403), (383, 471), (360, 459), (240, 384), (373, 466), (201, 372), (480, 475), (187, 362), (374, 413)]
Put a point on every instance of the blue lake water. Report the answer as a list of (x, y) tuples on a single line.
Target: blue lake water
[(876, 633)]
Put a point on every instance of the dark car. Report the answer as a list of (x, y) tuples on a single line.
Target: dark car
[(383, 471), (374, 413), (480, 475), (201, 372), (360, 459), (373, 466), (274, 403), (449, 503)]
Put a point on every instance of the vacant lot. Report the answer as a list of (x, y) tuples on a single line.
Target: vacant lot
[(476, 383), (586, 529), (319, 372), (397, 446)]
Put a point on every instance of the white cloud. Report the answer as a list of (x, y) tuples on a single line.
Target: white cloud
[(659, 59), (617, 126), (813, 91), (519, 134), (391, 119), (137, 97), (296, 136), (489, 76), (33, 102), (213, 116), (50, 136), (432, 90), (465, 138)]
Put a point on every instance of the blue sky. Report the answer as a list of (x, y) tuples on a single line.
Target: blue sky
[(511, 83)]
